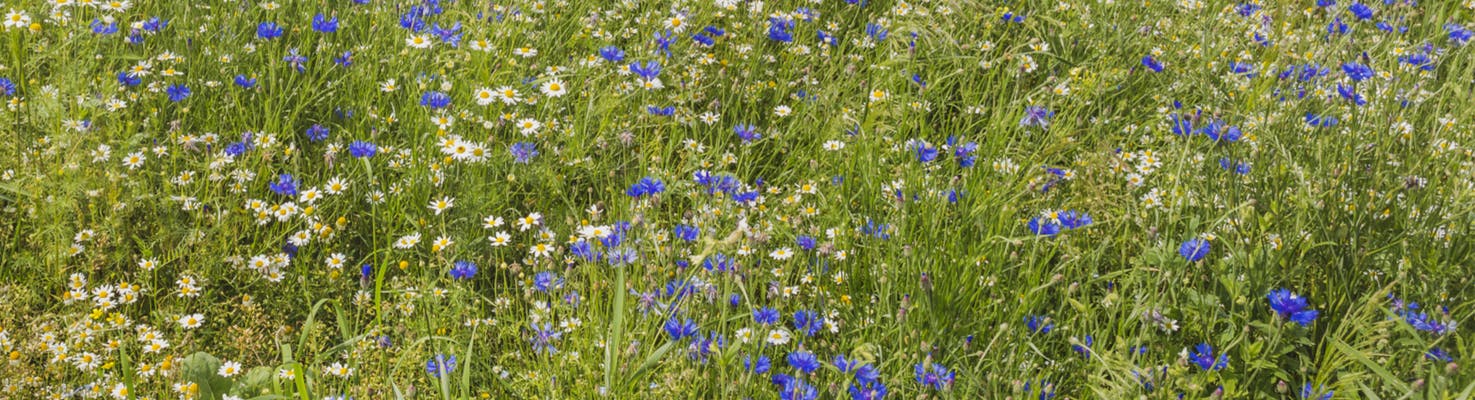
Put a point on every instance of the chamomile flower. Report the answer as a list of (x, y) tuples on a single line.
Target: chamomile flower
[(553, 88), (191, 321)]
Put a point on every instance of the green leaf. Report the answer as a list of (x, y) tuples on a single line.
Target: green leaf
[(202, 369)]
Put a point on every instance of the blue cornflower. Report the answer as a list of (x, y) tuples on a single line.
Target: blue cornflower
[(450, 36), (661, 111), (344, 60), (663, 42), (523, 152), (1247, 9), (1043, 226), (1421, 320), (934, 375), (760, 366), (1321, 121), (317, 133), (1039, 324), (679, 329), (1459, 33), (296, 60), (1181, 125), (844, 365), (1361, 11), (1357, 72), (1419, 59), (1047, 390), (1242, 68), (867, 373), (1084, 347), (1036, 116), (686, 233), (808, 322), (1203, 356), (703, 39), (792, 388), (7, 87), (766, 316), (245, 82), (1218, 130), (585, 251), (1194, 249), (177, 92), (1337, 27), (803, 361), (100, 28), (1152, 63), (414, 19), (805, 242), (361, 149), (878, 231), (1438, 354), (1072, 219), (285, 185), (926, 152), (435, 100), (623, 256), (872, 390), (154, 25), (1239, 167), (1350, 94), (238, 148), (779, 30), (1307, 393), (612, 53), (719, 263), (124, 78), (876, 32), (268, 30), (323, 24), (544, 337), (964, 154), (826, 38), (463, 270), (1012, 17), (701, 348), (440, 364), (647, 186), (546, 280), (747, 133)]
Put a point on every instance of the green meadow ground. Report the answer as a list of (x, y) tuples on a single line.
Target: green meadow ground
[(422, 199)]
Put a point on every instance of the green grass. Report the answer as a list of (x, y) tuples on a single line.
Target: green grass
[(1361, 218)]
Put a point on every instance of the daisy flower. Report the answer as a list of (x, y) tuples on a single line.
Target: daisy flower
[(554, 88), (444, 203), (420, 41), (229, 369), (191, 321)]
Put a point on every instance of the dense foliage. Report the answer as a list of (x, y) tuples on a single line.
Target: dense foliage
[(863, 199)]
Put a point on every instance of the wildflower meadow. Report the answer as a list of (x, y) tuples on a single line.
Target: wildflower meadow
[(737, 199)]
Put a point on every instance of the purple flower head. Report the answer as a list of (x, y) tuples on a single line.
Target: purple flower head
[(1194, 249), (285, 185), (1203, 356), (523, 152), (463, 270)]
